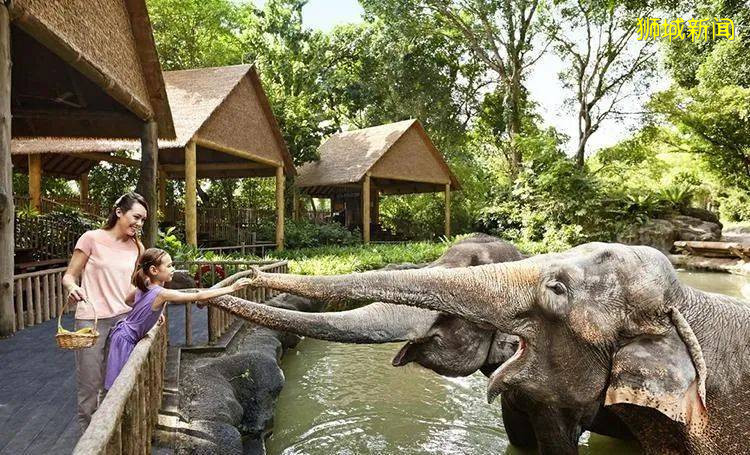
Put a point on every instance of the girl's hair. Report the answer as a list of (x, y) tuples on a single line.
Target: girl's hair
[(152, 256), (124, 203)]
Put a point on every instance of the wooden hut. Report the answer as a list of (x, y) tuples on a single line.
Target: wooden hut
[(225, 129), (356, 167), (74, 69)]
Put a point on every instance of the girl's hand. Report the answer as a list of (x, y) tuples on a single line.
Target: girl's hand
[(76, 295), (241, 283)]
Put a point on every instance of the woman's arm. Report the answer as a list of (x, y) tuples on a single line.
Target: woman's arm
[(73, 274), (169, 295)]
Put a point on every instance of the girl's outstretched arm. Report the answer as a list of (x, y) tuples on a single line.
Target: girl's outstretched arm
[(170, 295)]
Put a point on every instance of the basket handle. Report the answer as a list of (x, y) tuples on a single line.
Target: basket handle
[(67, 301)]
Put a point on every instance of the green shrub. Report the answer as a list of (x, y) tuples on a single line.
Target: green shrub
[(305, 233), (734, 205)]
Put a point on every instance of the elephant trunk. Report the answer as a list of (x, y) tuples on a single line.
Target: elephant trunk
[(375, 323), (485, 294)]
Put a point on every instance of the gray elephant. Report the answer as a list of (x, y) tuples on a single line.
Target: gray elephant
[(599, 325), (446, 344)]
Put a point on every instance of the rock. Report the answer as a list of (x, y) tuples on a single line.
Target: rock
[(181, 280), (228, 401), (701, 214), (662, 233)]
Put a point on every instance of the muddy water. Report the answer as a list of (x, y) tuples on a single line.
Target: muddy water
[(347, 399)]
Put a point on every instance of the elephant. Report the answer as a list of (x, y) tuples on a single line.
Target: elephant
[(443, 343), (599, 325)]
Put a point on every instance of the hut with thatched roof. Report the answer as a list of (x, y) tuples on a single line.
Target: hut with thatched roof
[(73, 69), (356, 167), (225, 129)]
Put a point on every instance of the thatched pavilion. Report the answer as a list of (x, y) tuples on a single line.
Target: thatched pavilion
[(360, 165), (74, 69), (225, 129)]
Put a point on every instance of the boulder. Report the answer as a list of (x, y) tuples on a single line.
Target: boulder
[(662, 233)]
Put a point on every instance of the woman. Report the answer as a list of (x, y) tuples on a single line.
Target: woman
[(103, 260)]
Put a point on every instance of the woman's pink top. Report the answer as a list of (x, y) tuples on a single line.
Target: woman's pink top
[(106, 275)]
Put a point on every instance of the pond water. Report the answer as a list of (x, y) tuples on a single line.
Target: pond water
[(348, 399)]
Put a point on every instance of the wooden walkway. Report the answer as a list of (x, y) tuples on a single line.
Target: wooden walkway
[(38, 386)]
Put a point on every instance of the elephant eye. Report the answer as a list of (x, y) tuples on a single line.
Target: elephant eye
[(557, 287)]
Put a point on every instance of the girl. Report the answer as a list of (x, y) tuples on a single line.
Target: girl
[(154, 269), (103, 260)]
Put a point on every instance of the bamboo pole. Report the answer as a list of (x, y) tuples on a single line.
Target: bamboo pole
[(6, 181), (295, 206), (447, 209), (280, 208), (191, 211), (83, 182), (366, 209), (35, 181), (147, 180)]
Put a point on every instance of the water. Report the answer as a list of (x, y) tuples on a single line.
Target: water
[(349, 400)]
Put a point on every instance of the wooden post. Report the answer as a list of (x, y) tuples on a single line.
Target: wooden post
[(147, 180), (376, 206), (280, 208), (191, 211), (6, 181), (366, 209), (162, 192), (447, 209), (35, 181), (83, 183), (295, 206)]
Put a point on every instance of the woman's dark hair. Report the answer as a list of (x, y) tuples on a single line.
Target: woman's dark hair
[(124, 203), (152, 256)]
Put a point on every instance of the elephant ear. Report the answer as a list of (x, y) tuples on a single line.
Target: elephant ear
[(664, 372)]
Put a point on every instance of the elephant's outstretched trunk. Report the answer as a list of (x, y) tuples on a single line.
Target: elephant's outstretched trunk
[(375, 323), (485, 294)]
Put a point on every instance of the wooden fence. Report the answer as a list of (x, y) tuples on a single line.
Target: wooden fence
[(208, 274), (37, 296), (126, 419), (229, 226)]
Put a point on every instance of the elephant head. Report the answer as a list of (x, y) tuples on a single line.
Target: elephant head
[(598, 324)]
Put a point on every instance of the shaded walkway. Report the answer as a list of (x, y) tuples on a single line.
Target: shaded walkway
[(38, 387)]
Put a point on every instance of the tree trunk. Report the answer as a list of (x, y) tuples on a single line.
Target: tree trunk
[(280, 208), (583, 135), (7, 326), (147, 181)]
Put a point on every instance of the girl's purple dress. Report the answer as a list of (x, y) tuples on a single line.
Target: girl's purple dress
[(125, 334)]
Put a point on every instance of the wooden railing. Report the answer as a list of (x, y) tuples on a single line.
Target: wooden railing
[(50, 204), (211, 272), (255, 248), (233, 226), (37, 297), (126, 419), (46, 237)]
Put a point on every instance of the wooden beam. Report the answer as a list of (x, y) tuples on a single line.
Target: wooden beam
[(214, 166), (35, 181), (83, 182), (191, 196), (162, 191), (235, 152), (447, 209), (147, 180), (280, 208), (97, 156), (376, 206), (74, 114), (366, 209), (7, 318)]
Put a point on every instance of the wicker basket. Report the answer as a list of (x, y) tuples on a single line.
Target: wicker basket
[(80, 339)]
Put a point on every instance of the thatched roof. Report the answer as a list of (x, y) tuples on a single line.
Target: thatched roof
[(393, 153), (116, 79), (223, 109)]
